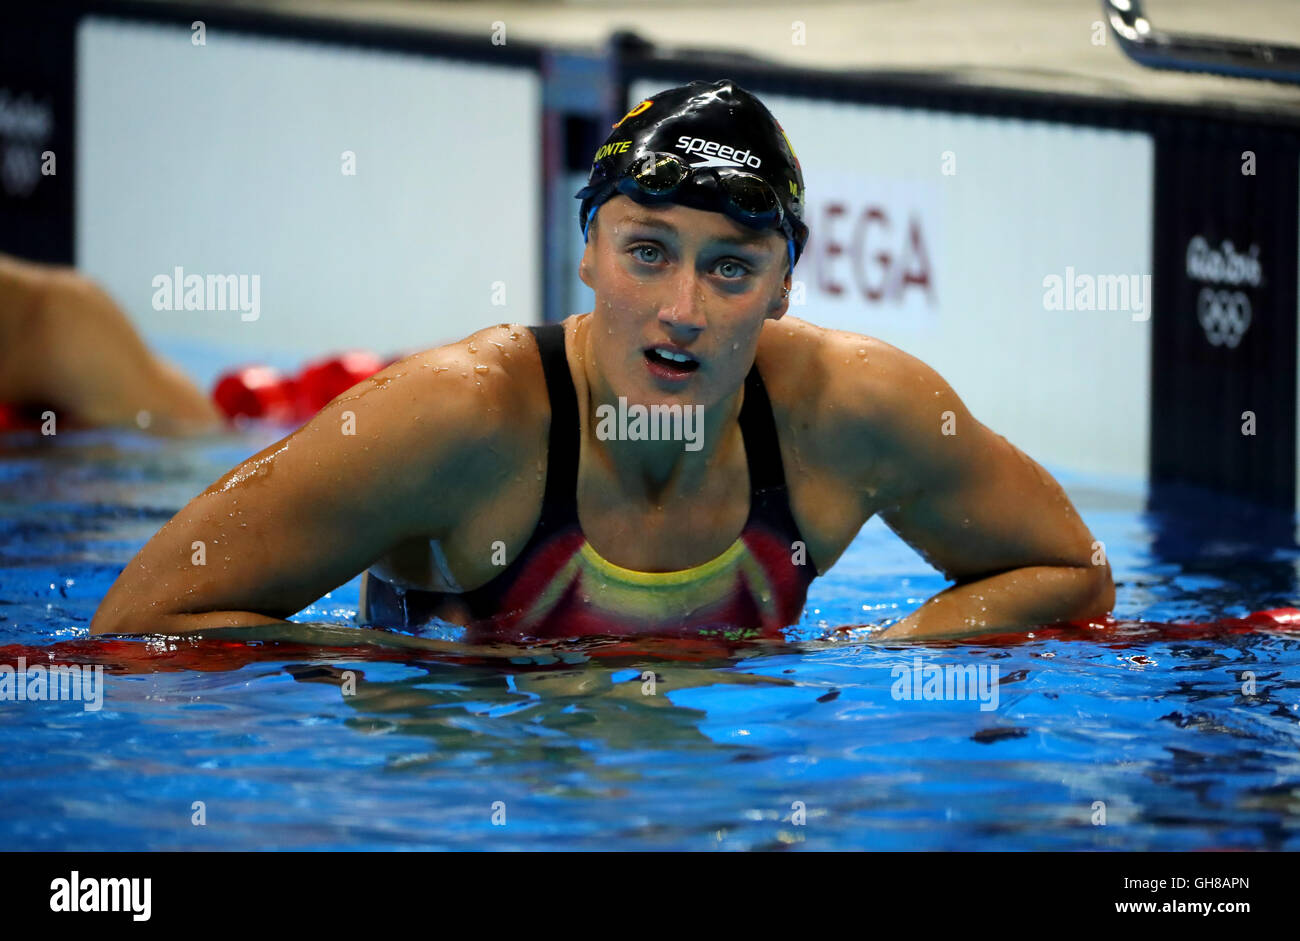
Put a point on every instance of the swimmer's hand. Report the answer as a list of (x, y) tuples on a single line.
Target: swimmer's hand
[(1010, 602), (70, 347)]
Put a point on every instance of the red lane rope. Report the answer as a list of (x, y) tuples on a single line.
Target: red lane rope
[(211, 655)]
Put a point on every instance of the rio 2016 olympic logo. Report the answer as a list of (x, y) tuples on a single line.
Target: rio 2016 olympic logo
[(1224, 316), (1224, 313)]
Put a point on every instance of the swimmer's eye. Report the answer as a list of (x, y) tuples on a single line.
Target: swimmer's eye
[(645, 248), (741, 269), (736, 263)]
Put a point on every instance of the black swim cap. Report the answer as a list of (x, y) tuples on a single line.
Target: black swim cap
[(710, 125)]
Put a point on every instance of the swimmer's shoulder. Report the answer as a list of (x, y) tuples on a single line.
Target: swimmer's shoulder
[(482, 390), (463, 417), (817, 375), (840, 393)]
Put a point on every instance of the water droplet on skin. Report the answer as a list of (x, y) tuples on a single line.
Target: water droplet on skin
[(472, 348), (480, 369)]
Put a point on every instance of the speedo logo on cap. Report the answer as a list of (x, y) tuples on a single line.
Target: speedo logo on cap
[(715, 154)]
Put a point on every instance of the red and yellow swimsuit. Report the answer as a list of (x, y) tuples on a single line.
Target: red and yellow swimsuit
[(559, 586)]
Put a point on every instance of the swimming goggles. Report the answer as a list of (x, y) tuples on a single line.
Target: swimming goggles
[(658, 177)]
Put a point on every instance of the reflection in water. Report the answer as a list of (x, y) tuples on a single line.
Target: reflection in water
[(1240, 549), (324, 735), (541, 713)]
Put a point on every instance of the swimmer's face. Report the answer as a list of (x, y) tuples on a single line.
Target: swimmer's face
[(673, 276)]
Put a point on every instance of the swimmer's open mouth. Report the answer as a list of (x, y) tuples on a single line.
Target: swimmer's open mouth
[(671, 361)]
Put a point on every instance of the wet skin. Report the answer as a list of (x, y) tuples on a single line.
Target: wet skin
[(450, 445), (65, 344)]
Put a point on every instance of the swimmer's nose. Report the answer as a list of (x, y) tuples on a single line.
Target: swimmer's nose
[(684, 310)]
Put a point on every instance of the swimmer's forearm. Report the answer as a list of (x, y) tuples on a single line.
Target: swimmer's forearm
[(1011, 601), (318, 634), (174, 624)]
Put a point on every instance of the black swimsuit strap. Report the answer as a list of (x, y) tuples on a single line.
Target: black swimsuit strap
[(560, 502), (758, 429), (768, 499)]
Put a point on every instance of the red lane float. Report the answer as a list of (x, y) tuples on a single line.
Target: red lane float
[(264, 393), (320, 382), (256, 392), (211, 654), (11, 418), (215, 655), (18, 417), (1282, 617), (260, 391), (1121, 633)]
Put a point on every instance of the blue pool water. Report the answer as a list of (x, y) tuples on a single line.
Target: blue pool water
[(727, 752)]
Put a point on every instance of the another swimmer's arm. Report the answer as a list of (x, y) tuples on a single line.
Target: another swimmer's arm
[(21, 292), (983, 513), (395, 458), (69, 346)]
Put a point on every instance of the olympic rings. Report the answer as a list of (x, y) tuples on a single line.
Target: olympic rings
[(1224, 316)]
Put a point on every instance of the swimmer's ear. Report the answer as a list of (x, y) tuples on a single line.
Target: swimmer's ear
[(782, 303), (588, 258)]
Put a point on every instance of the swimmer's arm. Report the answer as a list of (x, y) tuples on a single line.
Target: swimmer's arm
[(313, 510), (69, 346), (22, 289), (982, 512), (1010, 602)]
